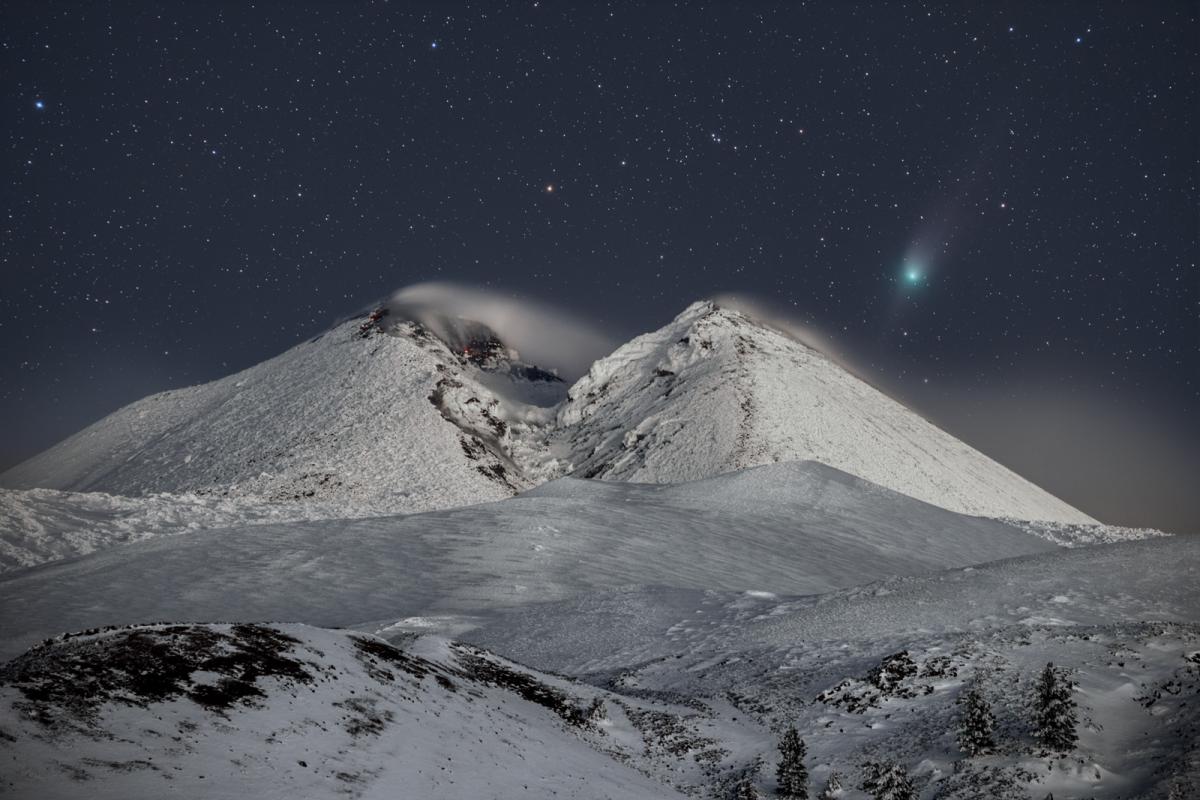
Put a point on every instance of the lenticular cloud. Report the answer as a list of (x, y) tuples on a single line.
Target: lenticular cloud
[(544, 336)]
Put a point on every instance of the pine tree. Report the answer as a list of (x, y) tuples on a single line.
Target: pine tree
[(746, 790), (597, 711), (975, 724), (1054, 710), (833, 788), (791, 774), (888, 781)]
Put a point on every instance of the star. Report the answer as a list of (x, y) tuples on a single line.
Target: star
[(39, 104), (549, 188)]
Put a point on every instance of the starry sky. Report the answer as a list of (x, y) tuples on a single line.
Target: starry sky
[(991, 208)]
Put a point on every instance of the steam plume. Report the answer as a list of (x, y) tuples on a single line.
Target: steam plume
[(544, 336)]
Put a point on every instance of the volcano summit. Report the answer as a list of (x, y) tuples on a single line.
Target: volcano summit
[(418, 415)]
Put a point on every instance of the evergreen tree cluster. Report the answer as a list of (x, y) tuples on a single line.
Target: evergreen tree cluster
[(1054, 717)]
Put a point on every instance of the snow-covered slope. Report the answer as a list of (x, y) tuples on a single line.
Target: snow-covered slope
[(784, 528), (366, 417), (40, 525), (1156, 580), (874, 673), (714, 391)]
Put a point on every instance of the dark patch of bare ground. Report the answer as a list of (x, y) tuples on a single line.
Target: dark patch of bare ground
[(74, 675), (363, 717), (377, 656), (477, 667)]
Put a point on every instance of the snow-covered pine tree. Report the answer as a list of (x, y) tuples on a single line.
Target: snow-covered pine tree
[(746, 790), (597, 710), (833, 788), (975, 723), (888, 781), (791, 774), (1054, 715)]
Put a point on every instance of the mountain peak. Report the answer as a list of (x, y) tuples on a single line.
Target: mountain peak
[(719, 389), (470, 341), (428, 410)]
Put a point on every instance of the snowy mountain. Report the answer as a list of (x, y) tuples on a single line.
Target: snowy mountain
[(715, 391), (389, 414), (374, 413)]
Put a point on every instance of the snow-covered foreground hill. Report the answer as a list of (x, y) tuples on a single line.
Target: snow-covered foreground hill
[(381, 413), (230, 711), (693, 694), (784, 528)]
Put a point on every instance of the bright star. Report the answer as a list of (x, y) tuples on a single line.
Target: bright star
[(433, 46), (39, 104)]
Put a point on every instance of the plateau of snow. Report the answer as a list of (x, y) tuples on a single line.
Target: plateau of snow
[(796, 528)]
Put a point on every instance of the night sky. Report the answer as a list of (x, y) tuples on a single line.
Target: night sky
[(991, 209)]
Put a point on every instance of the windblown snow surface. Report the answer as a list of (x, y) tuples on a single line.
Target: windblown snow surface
[(785, 528), (39, 525)]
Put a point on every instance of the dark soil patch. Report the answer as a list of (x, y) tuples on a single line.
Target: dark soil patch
[(143, 665), (484, 670)]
